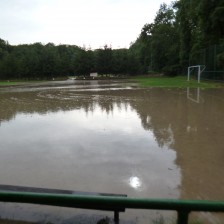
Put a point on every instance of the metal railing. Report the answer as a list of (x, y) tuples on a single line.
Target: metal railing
[(183, 207)]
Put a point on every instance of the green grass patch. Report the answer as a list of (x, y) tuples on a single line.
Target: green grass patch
[(8, 83), (175, 82), (21, 82)]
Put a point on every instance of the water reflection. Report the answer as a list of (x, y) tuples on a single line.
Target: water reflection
[(140, 142), (193, 94), (135, 182)]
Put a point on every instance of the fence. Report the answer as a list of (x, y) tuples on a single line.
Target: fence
[(183, 207), (213, 58)]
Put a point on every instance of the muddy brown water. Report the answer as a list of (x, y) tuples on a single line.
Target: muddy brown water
[(111, 137)]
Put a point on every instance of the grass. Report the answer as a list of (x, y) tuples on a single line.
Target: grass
[(175, 82), (8, 83), (19, 82), (147, 81)]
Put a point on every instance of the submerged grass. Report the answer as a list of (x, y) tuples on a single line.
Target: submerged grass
[(175, 82)]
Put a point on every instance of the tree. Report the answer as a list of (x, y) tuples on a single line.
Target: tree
[(83, 62), (143, 47), (120, 61), (104, 60), (211, 15), (165, 46), (200, 25), (49, 61)]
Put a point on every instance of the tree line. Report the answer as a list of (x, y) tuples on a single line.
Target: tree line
[(48, 61), (177, 35)]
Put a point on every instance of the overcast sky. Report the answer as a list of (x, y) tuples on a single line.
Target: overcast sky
[(90, 23)]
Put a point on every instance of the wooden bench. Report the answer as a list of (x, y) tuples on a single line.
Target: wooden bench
[(116, 210)]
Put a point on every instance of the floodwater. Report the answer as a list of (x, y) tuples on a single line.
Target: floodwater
[(111, 137)]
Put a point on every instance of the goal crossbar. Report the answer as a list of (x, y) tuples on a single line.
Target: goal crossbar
[(201, 68)]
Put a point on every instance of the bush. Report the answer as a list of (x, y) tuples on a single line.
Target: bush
[(172, 70)]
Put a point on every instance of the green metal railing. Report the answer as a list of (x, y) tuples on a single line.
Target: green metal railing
[(183, 207)]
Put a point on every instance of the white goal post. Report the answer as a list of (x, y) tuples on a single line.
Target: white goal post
[(200, 68)]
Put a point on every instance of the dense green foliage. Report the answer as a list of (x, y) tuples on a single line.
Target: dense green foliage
[(179, 33), (168, 45), (38, 61)]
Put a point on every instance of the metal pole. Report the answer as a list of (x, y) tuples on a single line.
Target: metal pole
[(215, 52), (188, 74), (116, 217), (199, 73), (182, 217)]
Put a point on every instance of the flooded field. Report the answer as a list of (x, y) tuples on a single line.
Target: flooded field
[(111, 137)]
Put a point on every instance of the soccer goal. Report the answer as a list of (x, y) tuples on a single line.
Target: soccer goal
[(198, 68)]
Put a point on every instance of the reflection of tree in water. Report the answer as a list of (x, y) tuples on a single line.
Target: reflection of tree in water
[(146, 104), (52, 101), (155, 114), (194, 131)]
